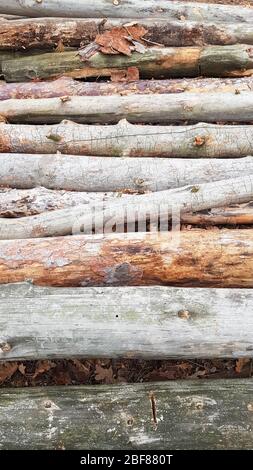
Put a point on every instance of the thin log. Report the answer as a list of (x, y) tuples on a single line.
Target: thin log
[(130, 322), (128, 9), (72, 173), (67, 86), (155, 62), (190, 107), (203, 414), (212, 258), (23, 202), (163, 204), (46, 33), (127, 140)]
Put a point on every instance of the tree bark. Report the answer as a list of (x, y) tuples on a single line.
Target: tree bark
[(66, 86), (161, 204), (23, 202), (46, 33), (203, 414), (211, 258), (171, 108), (127, 140), (130, 322), (128, 9), (155, 62), (72, 173)]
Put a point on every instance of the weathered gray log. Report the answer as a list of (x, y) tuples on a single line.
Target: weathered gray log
[(67, 86), (23, 202), (161, 204), (76, 173), (46, 33), (194, 258), (157, 62), (127, 140), (199, 414), (127, 9), (191, 107), (136, 322)]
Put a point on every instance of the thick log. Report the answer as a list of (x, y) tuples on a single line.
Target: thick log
[(171, 108), (199, 258), (161, 204), (72, 173), (67, 86), (127, 140), (199, 414), (155, 62), (136, 322), (127, 9), (23, 202), (46, 33)]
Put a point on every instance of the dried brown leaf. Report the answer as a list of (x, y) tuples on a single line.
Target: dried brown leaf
[(42, 367), (240, 363), (7, 369), (103, 374)]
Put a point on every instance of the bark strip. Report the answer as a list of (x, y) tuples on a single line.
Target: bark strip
[(222, 258), (129, 322), (155, 62)]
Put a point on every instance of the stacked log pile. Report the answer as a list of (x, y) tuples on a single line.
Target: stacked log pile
[(127, 116)]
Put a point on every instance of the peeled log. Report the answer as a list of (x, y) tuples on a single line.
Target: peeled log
[(127, 140), (128, 9), (222, 258), (23, 202), (66, 86), (46, 33), (164, 205), (137, 322), (191, 107), (155, 62), (80, 173)]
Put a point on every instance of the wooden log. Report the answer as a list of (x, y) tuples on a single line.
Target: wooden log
[(161, 204), (67, 86), (136, 322), (72, 173), (200, 258), (155, 62), (171, 108), (128, 9), (23, 202), (203, 414), (46, 33), (127, 140)]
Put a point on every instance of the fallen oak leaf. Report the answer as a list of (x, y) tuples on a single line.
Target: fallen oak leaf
[(7, 369), (42, 367), (240, 363)]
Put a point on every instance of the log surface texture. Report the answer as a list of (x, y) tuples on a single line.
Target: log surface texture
[(188, 415), (136, 322), (222, 258), (127, 9), (128, 140)]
